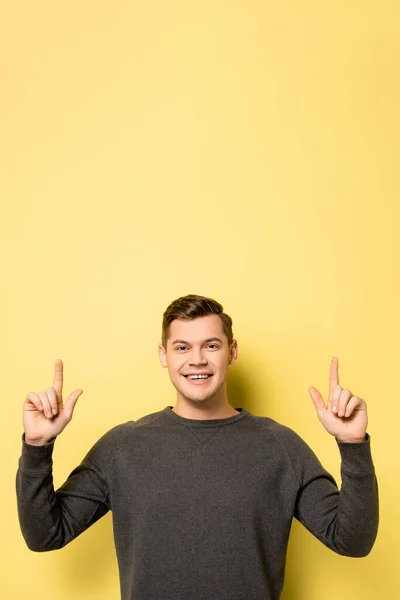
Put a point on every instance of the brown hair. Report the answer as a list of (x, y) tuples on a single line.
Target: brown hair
[(190, 307)]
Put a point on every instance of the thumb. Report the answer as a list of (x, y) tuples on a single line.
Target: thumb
[(317, 399), (70, 403)]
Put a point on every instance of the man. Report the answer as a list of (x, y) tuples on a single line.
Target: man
[(202, 494)]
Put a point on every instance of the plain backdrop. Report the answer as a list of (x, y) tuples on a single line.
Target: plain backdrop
[(246, 150)]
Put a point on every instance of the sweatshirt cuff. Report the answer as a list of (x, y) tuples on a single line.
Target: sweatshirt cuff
[(36, 458), (356, 457)]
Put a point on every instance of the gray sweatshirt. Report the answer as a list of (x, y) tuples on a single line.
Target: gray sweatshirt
[(202, 509)]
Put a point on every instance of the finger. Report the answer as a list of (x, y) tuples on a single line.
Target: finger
[(334, 374), (51, 394), (317, 399), (34, 399), (329, 402), (58, 378), (46, 404), (352, 405), (345, 396), (70, 403), (335, 398)]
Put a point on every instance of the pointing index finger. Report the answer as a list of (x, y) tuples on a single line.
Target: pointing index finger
[(58, 378), (334, 374)]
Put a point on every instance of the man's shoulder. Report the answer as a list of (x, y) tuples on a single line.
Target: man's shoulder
[(272, 425), (123, 429), (286, 435), (150, 419), (146, 420)]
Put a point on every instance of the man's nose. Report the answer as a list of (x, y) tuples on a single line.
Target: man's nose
[(197, 358)]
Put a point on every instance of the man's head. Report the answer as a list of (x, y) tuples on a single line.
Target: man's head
[(197, 340), (192, 307)]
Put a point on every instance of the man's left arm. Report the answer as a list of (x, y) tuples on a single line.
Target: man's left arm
[(347, 521)]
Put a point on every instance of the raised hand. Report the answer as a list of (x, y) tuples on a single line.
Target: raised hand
[(344, 415), (45, 414)]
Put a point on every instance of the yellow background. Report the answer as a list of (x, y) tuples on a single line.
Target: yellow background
[(246, 150)]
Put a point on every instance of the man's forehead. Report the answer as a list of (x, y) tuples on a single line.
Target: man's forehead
[(197, 329)]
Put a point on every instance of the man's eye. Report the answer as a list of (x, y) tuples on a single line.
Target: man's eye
[(180, 348), (213, 345)]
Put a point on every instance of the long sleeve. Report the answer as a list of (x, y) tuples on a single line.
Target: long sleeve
[(346, 521), (195, 496), (50, 519)]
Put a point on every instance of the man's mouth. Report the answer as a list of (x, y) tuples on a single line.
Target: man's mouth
[(198, 378)]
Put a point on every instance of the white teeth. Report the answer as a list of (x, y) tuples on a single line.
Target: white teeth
[(198, 376)]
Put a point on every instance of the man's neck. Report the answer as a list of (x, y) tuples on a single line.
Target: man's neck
[(204, 413)]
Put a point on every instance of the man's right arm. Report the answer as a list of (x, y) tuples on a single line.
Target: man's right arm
[(49, 519)]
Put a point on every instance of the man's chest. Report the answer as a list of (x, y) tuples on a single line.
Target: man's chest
[(200, 470)]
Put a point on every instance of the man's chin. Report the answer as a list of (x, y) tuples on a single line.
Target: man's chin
[(197, 396)]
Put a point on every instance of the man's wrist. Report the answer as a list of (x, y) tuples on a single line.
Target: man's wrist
[(37, 442), (352, 440)]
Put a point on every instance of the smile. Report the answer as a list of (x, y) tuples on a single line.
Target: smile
[(198, 379)]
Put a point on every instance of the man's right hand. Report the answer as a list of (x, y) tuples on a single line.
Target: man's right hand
[(45, 415)]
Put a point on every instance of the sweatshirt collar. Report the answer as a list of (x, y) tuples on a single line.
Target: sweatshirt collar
[(205, 422)]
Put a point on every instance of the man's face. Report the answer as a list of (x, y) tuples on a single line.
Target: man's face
[(198, 347)]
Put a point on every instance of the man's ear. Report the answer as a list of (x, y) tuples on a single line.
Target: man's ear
[(233, 354), (162, 355)]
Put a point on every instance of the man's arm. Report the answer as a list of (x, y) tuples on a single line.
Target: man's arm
[(49, 519), (346, 522)]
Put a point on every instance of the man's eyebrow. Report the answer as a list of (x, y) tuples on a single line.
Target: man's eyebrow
[(213, 339)]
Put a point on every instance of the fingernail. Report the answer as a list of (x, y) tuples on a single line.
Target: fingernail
[(54, 411), (340, 413), (334, 408)]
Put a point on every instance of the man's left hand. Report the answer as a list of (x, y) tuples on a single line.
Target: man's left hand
[(344, 415)]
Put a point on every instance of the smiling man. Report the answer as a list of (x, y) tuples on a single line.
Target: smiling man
[(202, 494), (197, 353)]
